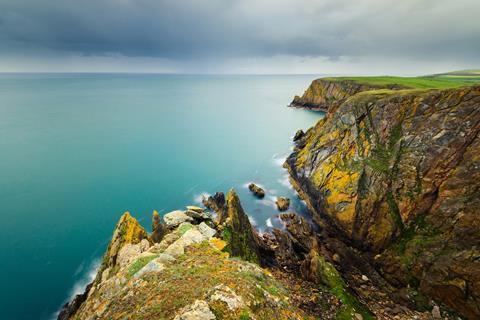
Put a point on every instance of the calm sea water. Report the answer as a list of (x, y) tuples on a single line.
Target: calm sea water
[(76, 151)]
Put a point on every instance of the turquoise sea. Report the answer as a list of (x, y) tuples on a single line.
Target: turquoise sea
[(77, 150)]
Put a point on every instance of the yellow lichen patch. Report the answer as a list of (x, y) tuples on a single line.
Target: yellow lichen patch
[(134, 232), (217, 243)]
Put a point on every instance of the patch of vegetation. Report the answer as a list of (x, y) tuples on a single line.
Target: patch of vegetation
[(394, 211), (336, 286), (139, 264), (244, 316), (426, 82), (184, 228)]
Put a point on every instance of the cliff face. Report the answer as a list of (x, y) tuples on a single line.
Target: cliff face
[(324, 94), (396, 174)]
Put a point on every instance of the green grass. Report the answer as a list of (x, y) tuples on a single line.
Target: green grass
[(139, 264), (443, 81)]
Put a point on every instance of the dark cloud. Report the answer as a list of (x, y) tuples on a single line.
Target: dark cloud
[(428, 30)]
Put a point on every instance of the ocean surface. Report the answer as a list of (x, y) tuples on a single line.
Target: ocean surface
[(78, 150)]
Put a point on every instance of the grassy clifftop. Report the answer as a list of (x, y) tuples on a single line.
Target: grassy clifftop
[(443, 81), (325, 94)]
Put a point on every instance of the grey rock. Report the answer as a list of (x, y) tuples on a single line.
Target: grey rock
[(206, 230), (199, 310), (175, 218)]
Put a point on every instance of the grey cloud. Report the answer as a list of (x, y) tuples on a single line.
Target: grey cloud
[(182, 30)]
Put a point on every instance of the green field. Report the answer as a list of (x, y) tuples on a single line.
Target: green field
[(440, 81)]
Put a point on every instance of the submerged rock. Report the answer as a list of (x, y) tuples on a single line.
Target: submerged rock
[(282, 203), (256, 190)]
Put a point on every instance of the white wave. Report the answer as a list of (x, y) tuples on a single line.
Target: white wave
[(197, 198), (285, 181), (279, 159), (268, 222), (252, 220), (81, 284), (268, 203)]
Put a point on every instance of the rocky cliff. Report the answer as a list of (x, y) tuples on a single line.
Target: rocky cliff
[(324, 94), (395, 175)]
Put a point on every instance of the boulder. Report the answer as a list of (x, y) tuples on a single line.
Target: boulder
[(195, 208), (283, 203), (256, 190), (199, 310), (206, 230), (228, 296), (175, 218), (199, 216), (152, 266), (190, 237), (158, 229)]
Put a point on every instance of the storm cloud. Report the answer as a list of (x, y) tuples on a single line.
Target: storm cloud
[(225, 35)]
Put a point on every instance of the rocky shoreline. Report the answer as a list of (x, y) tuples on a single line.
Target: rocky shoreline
[(391, 177)]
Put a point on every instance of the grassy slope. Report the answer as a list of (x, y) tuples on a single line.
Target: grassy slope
[(441, 81)]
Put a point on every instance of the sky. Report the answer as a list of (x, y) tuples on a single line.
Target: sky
[(407, 37)]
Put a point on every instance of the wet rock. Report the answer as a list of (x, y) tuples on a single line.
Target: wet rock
[(217, 204), (175, 218), (199, 310), (283, 203), (298, 135), (158, 230), (256, 190), (69, 308)]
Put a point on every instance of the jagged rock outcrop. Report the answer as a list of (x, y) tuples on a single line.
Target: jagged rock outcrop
[(298, 135), (127, 232), (158, 229), (396, 175), (188, 276), (237, 231), (217, 204), (326, 94)]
